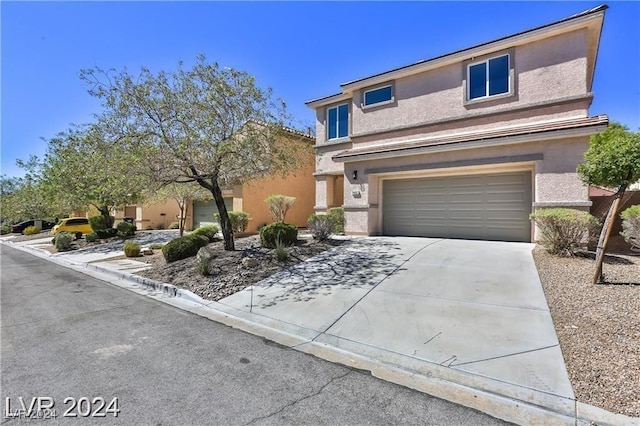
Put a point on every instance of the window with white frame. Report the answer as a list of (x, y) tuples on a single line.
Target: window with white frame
[(488, 78), (338, 121), (378, 95)]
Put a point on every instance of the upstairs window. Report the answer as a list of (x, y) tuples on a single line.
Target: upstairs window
[(377, 96), (338, 121), (488, 78)]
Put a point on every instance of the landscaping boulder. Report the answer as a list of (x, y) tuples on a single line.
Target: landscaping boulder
[(249, 262)]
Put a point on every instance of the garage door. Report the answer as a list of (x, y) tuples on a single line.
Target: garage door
[(483, 207), (203, 211)]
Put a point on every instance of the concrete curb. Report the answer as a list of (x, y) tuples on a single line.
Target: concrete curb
[(448, 388)]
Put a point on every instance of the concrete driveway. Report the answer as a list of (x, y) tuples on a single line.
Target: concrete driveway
[(465, 314)]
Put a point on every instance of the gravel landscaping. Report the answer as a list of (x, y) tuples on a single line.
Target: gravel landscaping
[(598, 326), (230, 271)]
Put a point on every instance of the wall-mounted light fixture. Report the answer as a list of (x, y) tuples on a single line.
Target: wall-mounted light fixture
[(355, 175)]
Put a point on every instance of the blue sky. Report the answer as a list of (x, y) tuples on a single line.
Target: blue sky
[(303, 50)]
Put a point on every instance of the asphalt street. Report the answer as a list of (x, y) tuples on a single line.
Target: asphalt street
[(95, 350)]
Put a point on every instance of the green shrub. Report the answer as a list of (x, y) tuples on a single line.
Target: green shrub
[(126, 229), (62, 241), (209, 231), (174, 225), (281, 252), (156, 246), (131, 249), (183, 247), (336, 214), (31, 230), (203, 266), (286, 233), (239, 220), (97, 222), (321, 226), (279, 205), (631, 225), (106, 233), (91, 237), (563, 231), (5, 229)]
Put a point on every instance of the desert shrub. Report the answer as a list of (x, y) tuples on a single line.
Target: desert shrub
[(209, 231), (336, 214), (156, 246), (631, 225), (126, 229), (321, 226), (97, 222), (281, 252), (279, 205), (203, 266), (5, 228), (131, 249), (91, 237), (563, 231), (286, 233), (62, 241), (106, 233), (183, 247), (174, 225), (239, 220), (31, 230)]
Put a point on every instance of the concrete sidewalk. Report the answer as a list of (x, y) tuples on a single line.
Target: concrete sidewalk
[(466, 321)]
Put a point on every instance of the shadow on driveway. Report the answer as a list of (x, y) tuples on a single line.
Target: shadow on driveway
[(357, 264)]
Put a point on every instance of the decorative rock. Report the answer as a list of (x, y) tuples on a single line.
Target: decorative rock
[(146, 251), (249, 262), (203, 255)]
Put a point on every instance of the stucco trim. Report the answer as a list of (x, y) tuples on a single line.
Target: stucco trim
[(480, 114), (459, 163), (562, 204), (357, 207), (505, 136), (325, 174), (333, 145)]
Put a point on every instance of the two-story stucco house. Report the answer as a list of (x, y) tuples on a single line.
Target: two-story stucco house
[(467, 144)]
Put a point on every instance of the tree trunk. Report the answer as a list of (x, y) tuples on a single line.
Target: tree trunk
[(225, 222), (181, 205), (104, 211), (603, 240)]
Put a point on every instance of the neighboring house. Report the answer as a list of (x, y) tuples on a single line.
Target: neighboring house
[(248, 197), (467, 144)]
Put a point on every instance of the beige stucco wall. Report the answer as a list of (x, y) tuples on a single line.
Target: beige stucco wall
[(545, 70), (300, 185)]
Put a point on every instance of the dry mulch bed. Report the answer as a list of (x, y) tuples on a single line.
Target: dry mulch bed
[(598, 326), (228, 273)]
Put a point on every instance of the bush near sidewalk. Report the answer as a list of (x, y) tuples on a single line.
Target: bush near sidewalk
[(131, 249), (62, 241), (564, 231), (183, 247), (631, 226), (279, 232), (321, 226)]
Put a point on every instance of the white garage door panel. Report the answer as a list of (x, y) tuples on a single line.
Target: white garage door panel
[(492, 207)]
